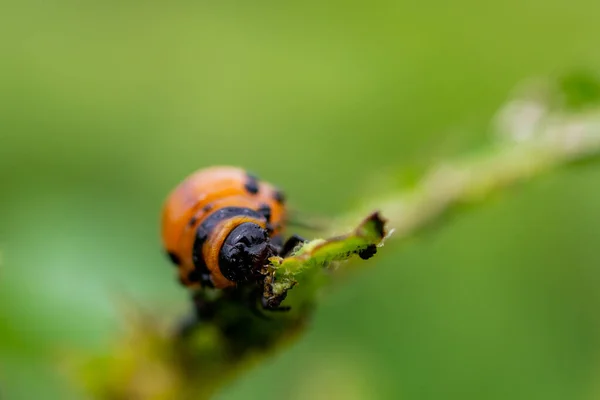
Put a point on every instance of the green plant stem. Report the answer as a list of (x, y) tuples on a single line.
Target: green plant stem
[(557, 142)]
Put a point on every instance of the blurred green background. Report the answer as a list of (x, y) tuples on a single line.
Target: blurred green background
[(105, 106)]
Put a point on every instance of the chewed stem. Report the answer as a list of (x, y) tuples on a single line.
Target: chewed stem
[(318, 254)]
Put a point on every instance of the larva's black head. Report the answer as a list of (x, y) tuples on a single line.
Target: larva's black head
[(245, 251)]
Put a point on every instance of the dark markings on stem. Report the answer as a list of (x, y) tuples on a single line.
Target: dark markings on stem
[(368, 252), (379, 223)]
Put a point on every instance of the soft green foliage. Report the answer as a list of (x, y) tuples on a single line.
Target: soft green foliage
[(231, 339), (106, 105)]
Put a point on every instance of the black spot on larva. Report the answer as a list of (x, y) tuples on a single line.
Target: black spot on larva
[(174, 258), (279, 196), (206, 280), (207, 207), (200, 273), (194, 276), (192, 221), (269, 228), (251, 184), (265, 210)]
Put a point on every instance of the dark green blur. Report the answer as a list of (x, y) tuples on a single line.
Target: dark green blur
[(105, 106)]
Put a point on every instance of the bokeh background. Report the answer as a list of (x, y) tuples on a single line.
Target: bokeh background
[(105, 106)]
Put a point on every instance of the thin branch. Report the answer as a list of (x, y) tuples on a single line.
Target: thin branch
[(545, 141)]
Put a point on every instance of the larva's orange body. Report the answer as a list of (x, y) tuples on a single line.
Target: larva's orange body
[(220, 225)]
